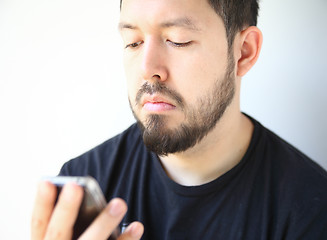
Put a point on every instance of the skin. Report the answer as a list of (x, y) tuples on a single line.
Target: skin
[(183, 45), (49, 222), (158, 56), (154, 27)]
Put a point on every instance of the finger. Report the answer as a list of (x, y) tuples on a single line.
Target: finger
[(65, 213), (107, 221), (133, 232), (43, 207)]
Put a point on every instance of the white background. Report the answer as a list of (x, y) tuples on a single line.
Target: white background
[(62, 87)]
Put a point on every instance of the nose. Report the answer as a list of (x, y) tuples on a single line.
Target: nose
[(153, 61)]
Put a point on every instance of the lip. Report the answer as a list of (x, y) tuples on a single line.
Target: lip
[(155, 103), (155, 99)]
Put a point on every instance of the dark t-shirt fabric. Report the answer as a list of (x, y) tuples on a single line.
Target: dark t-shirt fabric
[(275, 192)]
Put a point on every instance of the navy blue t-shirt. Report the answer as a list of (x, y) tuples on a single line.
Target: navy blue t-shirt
[(275, 192)]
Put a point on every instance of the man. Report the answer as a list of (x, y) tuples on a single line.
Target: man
[(196, 167)]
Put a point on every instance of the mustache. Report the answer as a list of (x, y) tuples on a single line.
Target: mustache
[(160, 88)]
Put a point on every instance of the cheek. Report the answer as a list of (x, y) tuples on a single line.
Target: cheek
[(132, 91), (195, 76), (131, 79)]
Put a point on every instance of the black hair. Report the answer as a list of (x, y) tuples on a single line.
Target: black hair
[(236, 14)]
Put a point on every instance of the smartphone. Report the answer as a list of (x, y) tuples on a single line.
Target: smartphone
[(93, 202)]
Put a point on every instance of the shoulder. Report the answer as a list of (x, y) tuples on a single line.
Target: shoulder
[(286, 158), (299, 176), (297, 184), (103, 156)]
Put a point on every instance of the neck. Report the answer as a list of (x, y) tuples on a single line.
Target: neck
[(221, 150)]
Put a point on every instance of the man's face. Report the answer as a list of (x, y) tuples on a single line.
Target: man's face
[(179, 72)]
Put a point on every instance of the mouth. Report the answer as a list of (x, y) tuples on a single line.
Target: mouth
[(154, 103)]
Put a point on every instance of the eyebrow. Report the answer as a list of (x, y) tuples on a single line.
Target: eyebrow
[(184, 22)]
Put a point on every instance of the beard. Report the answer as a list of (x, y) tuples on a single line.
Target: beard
[(199, 119)]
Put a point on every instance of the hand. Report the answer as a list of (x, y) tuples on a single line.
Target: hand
[(57, 222)]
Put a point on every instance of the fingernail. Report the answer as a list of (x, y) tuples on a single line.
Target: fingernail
[(44, 188), (116, 208), (70, 191), (135, 230)]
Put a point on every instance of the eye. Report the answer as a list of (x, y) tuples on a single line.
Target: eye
[(180, 44), (134, 45)]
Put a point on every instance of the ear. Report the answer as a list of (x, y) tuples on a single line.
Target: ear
[(250, 46)]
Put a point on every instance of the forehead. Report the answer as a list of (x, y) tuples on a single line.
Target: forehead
[(191, 14)]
